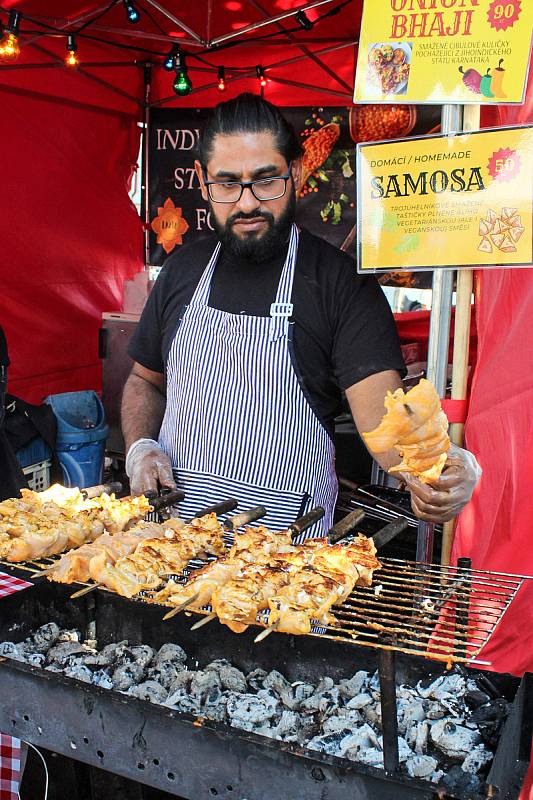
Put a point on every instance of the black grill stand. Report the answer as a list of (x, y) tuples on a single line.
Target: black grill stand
[(389, 711)]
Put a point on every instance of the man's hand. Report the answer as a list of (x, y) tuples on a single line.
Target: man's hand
[(148, 467), (447, 497)]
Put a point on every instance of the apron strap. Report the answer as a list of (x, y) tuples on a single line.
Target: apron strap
[(201, 293), (282, 308)]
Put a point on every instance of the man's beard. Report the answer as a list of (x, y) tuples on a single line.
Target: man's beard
[(252, 246)]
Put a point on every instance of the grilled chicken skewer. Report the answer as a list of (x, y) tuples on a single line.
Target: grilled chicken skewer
[(143, 568), (35, 527), (75, 566)]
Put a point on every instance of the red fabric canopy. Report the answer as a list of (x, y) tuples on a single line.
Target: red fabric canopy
[(70, 139)]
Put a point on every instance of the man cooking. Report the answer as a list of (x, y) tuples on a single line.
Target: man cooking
[(249, 338)]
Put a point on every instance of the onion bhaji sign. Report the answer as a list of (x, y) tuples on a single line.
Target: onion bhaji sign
[(446, 201), (444, 51)]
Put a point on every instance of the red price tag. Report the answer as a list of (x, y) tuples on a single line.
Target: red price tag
[(502, 14)]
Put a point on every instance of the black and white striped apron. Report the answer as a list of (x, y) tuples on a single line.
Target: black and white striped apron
[(237, 422)]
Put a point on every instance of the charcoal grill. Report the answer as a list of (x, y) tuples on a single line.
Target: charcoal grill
[(446, 614), (198, 759)]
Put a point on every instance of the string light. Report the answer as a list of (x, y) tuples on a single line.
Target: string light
[(221, 79), (261, 75), (131, 12), (303, 20), (182, 84), (9, 43), (71, 60), (169, 61)]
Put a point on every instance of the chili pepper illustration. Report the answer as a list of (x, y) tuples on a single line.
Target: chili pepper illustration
[(497, 80), (471, 79), (485, 85)]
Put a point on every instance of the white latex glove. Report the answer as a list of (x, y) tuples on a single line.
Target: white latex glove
[(148, 467), (445, 498)]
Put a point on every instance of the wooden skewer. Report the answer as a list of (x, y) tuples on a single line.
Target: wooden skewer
[(43, 572), (266, 632), (85, 590), (210, 617), (181, 607)]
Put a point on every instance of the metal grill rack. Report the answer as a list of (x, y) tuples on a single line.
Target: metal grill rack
[(444, 613)]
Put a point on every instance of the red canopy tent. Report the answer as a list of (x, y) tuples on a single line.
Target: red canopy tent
[(70, 140), (70, 235)]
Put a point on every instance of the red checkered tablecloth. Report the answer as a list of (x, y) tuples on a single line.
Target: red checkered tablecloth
[(10, 584), (9, 747), (9, 767)]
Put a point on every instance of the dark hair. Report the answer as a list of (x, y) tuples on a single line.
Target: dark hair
[(248, 113)]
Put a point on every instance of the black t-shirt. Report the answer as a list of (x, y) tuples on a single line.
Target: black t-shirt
[(344, 330)]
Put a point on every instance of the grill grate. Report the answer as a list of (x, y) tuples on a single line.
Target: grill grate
[(445, 613)]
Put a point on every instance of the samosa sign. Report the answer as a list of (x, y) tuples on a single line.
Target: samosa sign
[(443, 51), (446, 201)]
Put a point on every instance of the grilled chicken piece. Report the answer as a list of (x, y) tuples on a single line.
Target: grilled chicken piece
[(74, 566), (32, 545), (238, 601), (416, 426), (202, 585), (152, 558), (309, 595)]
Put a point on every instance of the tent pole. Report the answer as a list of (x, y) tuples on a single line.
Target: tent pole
[(461, 342), (439, 333), (146, 163)]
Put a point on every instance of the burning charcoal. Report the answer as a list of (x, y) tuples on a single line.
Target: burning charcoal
[(275, 681), (255, 679), (127, 675), (477, 759), (372, 756), (249, 711), (36, 659), (359, 701), (475, 698), (421, 766), (329, 743), (461, 782), (374, 682), (436, 776), (102, 679), (182, 681), (166, 672), (454, 740), (53, 668), (143, 655), (409, 713), (350, 687), (72, 635), (232, 678), (202, 682), (287, 725), (62, 654), (170, 652), (435, 710), (107, 656), (149, 690), (301, 692), (496, 710), (12, 650), (80, 672), (44, 637), (373, 714), (421, 739), (344, 720), (324, 685), (183, 702), (490, 732), (404, 751)]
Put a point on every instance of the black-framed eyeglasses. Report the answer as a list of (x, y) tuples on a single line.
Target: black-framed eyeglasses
[(262, 189)]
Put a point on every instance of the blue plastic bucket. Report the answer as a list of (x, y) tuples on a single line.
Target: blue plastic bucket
[(81, 436)]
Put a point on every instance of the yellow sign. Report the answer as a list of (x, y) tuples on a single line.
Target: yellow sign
[(446, 201), (169, 225), (443, 51)]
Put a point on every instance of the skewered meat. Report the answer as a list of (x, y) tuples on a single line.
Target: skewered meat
[(238, 601), (75, 566), (416, 426), (309, 595), (152, 558), (40, 524)]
